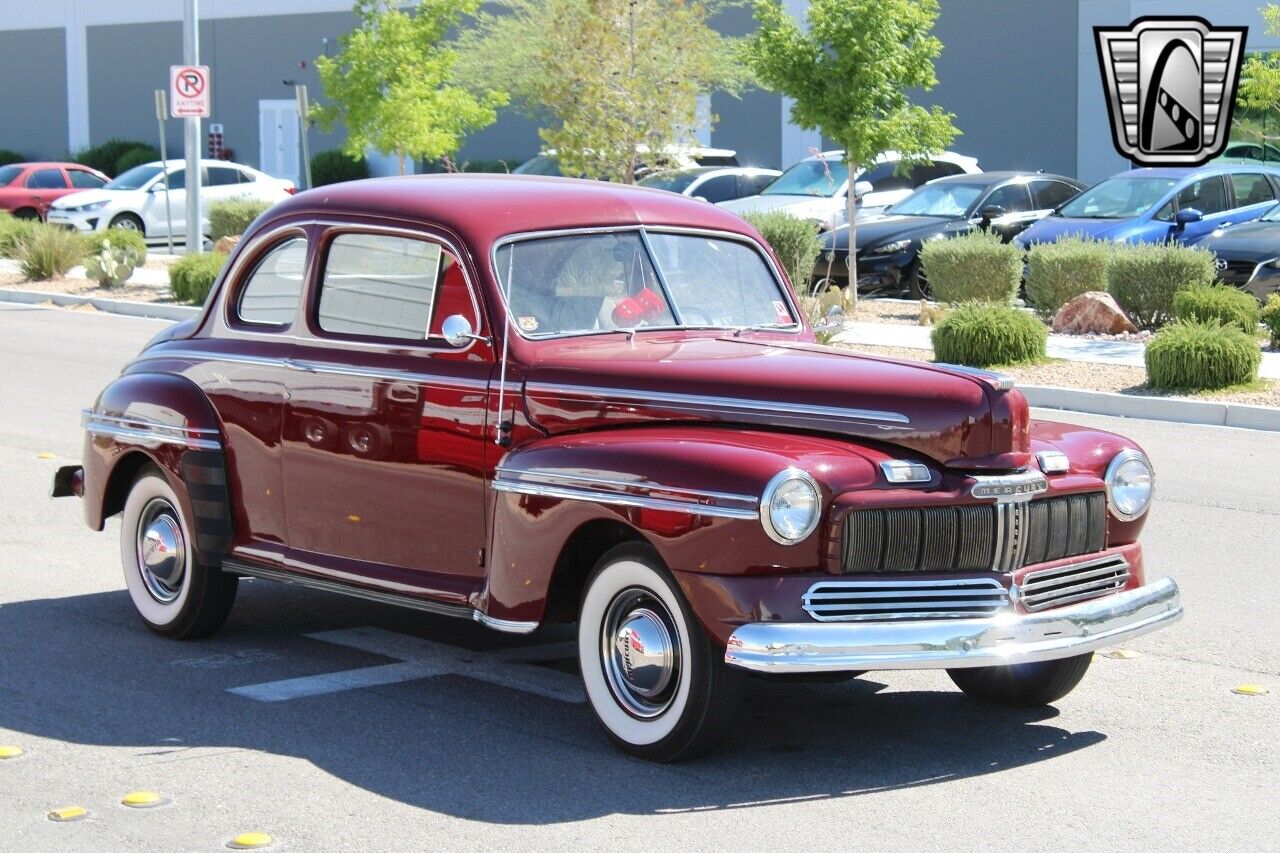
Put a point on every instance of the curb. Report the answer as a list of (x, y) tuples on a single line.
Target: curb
[(1153, 408), (110, 306)]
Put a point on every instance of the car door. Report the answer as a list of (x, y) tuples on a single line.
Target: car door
[(1251, 196), (1015, 201), (1207, 195), (384, 432), (45, 185), (163, 216)]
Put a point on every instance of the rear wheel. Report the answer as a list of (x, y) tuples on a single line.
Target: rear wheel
[(1023, 685), (656, 682), (914, 282), (26, 213), (174, 594)]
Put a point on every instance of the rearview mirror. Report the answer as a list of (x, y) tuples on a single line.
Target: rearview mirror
[(861, 188)]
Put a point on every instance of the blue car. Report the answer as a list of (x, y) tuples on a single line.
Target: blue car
[(1157, 205)]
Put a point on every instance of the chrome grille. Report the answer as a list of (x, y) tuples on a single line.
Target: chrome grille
[(853, 601), (1047, 588), (979, 537)]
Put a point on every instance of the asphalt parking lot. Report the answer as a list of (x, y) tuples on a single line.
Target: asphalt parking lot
[(335, 724)]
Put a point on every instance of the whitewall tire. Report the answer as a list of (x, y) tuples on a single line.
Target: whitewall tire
[(172, 591), (657, 684)]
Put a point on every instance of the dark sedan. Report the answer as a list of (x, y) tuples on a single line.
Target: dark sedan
[(889, 245), (1249, 254)]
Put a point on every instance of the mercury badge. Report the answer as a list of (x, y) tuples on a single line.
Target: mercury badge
[(1171, 85)]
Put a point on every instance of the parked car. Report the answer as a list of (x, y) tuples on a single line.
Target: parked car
[(817, 187), (680, 157), (1252, 152), (1249, 254), (712, 183), (1156, 205), (27, 189), (889, 245), (135, 199), (604, 404)]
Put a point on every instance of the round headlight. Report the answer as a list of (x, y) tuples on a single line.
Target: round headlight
[(1130, 483), (790, 506)]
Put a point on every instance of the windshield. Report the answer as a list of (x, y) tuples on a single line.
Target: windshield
[(8, 173), (1118, 198), (815, 177), (949, 200), (593, 283), (134, 179), (540, 165), (676, 182)]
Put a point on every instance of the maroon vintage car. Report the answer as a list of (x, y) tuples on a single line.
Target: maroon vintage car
[(527, 400)]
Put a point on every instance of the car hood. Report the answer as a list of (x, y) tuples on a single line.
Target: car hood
[(958, 419), (1257, 241), (803, 206), (87, 197), (1053, 228), (886, 229)]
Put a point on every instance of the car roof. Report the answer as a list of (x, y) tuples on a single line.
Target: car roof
[(53, 164), (993, 178), (1179, 173)]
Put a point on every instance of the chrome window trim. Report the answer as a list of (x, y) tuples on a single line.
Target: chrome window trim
[(1116, 461), (609, 482), (701, 403), (766, 504), (999, 381), (524, 236), (234, 307), (147, 433), (574, 493)]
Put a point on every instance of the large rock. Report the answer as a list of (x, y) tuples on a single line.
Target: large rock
[(1092, 313), (226, 244)]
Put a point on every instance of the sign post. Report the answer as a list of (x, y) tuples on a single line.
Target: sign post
[(189, 91), (304, 110), (162, 112)]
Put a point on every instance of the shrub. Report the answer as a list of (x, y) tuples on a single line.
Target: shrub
[(13, 231), (976, 267), (1059, 272), (48, 252), (982, 335), (119, 238), (794, 241), (1197, 356), (1271, 318), (106, 156), (136, 157), (7, 156), (191, 277), (435, 167), (334, 167), (1218, 303), (1143, 279), (112, 265), (232, 217)]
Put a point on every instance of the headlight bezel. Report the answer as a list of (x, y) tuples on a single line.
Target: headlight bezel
[(1119, 461), (893, 247), (784, 478)]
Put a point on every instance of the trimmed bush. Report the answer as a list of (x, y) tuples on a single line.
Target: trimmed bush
[(1218, 303), (335, 166), (794, 241), (117, 238), (232, 217), (983, 335), (191, 277), (1059, 272), (1197, 356), (13, 231), (106, 156), (8, 156), (976, 267), (48, 252), (1143, 279), (1271, 318), (136, 157), (435, 167)]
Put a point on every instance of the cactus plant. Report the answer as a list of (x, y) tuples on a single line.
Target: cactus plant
[(113, 265)]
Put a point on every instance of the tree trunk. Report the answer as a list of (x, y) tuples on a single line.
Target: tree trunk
[(851, 298), (400, 161)]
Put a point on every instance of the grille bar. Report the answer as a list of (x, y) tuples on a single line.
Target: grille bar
[(851, 601), (1078, 582)]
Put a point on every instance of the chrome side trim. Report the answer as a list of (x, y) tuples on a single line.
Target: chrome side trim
[(620, 499), (703, 403), (507, 626), (556, 477), (999, 381), (148, 433), (1002, 639)]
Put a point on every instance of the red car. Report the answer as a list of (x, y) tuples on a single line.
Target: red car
[(522, 400), (27, 189)]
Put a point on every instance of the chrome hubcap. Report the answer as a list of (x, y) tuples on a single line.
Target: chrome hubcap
[(162, 551), (640, 650)]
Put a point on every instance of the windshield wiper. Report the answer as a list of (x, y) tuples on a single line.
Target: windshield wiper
[(760, 327)]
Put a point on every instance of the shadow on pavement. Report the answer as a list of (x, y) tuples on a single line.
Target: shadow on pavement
[(83, 670)]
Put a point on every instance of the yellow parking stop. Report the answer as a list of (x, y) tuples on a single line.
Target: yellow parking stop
[(142, 799), (8, 751), (250, 841), (68, 813)]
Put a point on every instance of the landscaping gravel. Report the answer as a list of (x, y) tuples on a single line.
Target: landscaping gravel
[(85, 287)]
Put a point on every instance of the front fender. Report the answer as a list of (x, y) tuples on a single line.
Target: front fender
[(1090, 451), (692, 492)]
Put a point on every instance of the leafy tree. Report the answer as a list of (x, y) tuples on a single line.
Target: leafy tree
[(620, 79), (849, 74), (1260, 78), (390, 83)]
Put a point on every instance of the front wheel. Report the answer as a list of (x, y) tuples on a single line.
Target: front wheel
[(128, 222), (656, 682), (1023, 685)]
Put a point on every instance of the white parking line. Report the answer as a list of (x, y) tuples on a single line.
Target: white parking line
[(419, 658)]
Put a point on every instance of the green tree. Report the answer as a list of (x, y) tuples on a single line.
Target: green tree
[(390, 83), (1260, 78), (619, 79), (849, 74)]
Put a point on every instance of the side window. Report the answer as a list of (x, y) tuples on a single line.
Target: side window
[(719, 188), (926, 172), (1050, 194), (270, 295), (1012, 197), (1207, 196), (46, 179), (884, 178), (1251, 189), (84, 180), (755, 183), (380, 286), (221, 176), (245, 177), (177, 179)]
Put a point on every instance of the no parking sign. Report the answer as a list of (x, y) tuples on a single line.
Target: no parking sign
[(189, 91)]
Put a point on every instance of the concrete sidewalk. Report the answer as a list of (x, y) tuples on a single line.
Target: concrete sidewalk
[(1067, 347)]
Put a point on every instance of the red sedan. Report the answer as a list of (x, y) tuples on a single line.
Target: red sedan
[(27, 189)]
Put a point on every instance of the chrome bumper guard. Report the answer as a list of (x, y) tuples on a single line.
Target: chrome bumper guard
[(1004, 638)]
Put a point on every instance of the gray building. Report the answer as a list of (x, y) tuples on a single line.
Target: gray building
[(1021, 78)]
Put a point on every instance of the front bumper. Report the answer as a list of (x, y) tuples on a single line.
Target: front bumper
[(1007, 638), (82, 221)]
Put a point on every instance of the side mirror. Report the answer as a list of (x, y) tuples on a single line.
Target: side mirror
[(1187, 216), (456, 330), (861, 188), (988, 213)]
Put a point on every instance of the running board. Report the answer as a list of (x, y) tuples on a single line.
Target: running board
[(439, 608)]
